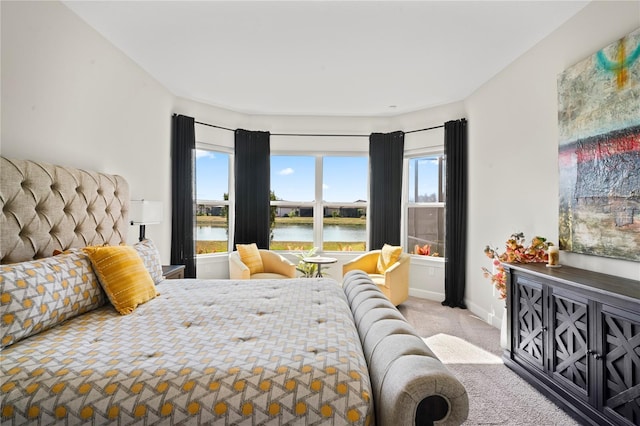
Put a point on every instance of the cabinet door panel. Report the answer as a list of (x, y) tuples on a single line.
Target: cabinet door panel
[(529, 332), (569, 322), (576, 334), (621, 369)]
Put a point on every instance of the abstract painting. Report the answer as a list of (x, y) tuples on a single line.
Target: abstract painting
[(599, 152)]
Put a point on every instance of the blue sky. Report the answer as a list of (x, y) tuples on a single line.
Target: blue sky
[(212, 175), (427, 169), (293, 177)]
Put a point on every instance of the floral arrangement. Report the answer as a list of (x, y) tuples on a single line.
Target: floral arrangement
[(515, 252), (425, 250)]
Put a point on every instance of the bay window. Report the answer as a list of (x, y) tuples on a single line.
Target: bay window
[(320, 201)]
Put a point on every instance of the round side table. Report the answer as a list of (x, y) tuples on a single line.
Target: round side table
[(319, 260)]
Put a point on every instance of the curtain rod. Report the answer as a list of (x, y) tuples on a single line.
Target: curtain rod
[(426, 128), (319, 134), (213, 125)]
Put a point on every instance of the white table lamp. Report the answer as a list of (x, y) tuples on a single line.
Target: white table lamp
[(143, 212)]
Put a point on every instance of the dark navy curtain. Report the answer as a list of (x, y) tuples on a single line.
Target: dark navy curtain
[(386, 153), (253, 188), (455, 148), (183, 194)]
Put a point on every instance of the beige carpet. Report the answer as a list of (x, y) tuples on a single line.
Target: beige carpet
[(471, 350)]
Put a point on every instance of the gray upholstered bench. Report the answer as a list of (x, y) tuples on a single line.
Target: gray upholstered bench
[(411, 386)]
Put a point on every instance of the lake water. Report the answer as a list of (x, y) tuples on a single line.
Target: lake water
[(292, 233)]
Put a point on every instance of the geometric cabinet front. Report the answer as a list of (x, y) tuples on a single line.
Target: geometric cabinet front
[(570, 343), (576, 334), (621, 356), (529, 330)]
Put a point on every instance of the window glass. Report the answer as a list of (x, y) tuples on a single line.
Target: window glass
[(426, 209), (344, 229), (212, 206), (424, 179), (344, 179), (425, 226), (344, 182), (293, 228), (294, 180), (293, 187), (293, 177)]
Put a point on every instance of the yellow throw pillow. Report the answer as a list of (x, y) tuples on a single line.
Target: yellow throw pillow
[(388, 256), (122, 275), (250, 256)]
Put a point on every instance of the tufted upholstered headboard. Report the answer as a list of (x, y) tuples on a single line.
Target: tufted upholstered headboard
[(46, 207)]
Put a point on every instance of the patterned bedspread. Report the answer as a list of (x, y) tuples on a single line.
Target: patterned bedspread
[(266, 352)]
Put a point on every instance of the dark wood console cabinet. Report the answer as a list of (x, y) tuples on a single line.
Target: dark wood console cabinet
[(575, 336)]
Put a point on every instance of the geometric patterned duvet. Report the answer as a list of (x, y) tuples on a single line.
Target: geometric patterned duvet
[(259, 352)]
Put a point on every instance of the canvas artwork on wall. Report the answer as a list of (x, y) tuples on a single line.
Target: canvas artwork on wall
[(599, 152)]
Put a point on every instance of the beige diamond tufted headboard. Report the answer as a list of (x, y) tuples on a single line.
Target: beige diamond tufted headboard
[(47, 207)]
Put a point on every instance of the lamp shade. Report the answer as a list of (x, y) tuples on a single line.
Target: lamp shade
[(143, 212)]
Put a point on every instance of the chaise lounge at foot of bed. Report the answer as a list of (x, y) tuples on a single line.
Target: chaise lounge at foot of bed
[(410, 385)]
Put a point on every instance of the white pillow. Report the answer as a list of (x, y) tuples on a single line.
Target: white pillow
[(151, 258)]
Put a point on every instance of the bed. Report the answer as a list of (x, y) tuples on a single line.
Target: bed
[(295, 351)]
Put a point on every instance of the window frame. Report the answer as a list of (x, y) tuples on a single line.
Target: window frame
[(406, 204), (318, 204), (230, 203)]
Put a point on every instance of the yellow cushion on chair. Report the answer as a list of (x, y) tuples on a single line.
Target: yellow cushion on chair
[(388, 256), (122, 275), (250, 256)]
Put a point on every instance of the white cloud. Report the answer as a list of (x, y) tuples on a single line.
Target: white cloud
[(325, 186), (286, 172), (200, 153)]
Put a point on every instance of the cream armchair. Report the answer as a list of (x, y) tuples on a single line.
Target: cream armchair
[(273, 265), (394, 283)]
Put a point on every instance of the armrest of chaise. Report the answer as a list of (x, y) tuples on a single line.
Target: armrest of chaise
[(411, 386)]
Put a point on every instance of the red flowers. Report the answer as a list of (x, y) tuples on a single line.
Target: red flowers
[(425, 250), (515, 253)]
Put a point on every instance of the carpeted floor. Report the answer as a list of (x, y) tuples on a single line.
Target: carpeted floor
[(470, 348)]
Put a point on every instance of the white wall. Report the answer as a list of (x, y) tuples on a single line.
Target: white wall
[(70, 97), (283, 124), (513, 147)]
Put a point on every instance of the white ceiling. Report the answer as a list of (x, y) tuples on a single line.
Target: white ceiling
[(324, 57)]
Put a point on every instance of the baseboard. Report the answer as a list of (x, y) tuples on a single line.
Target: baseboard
[(424, 294), (485, 315), (482, 314)]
